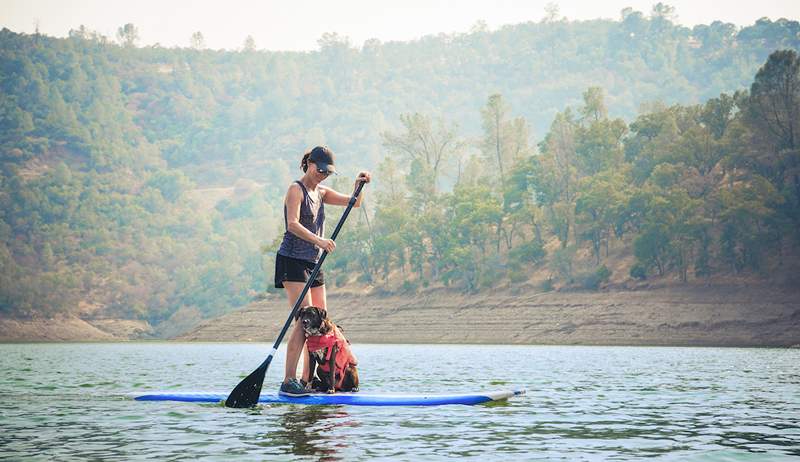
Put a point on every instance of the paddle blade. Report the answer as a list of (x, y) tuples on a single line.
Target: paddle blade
[(247, 392)]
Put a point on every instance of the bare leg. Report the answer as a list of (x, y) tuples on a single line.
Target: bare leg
[(316, 296), (319, 300), (296, 338), (319, 296)]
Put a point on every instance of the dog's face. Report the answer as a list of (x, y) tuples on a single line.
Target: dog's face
[(314, 321)]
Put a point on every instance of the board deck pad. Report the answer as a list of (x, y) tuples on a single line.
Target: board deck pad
[(354, 399)]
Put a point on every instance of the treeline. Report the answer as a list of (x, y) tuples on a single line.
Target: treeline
[(251, 112), (690, 191), (143, 181), (91, 214)]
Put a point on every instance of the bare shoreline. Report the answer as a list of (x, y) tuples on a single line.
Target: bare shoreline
[(687, 316), (719, 315)]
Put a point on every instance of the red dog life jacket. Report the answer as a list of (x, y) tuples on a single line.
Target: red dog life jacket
[(344, 357)]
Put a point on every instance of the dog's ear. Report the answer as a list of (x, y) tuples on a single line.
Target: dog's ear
[(326, 326), (323, 313), (299, 313)]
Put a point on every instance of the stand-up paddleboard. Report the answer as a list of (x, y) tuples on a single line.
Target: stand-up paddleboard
[(355, 399)]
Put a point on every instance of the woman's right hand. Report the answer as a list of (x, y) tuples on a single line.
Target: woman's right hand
[(326, 244)]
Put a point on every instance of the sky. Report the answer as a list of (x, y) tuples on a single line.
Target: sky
[(295, 25)]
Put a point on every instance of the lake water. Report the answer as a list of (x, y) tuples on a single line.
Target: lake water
[(72, 402)]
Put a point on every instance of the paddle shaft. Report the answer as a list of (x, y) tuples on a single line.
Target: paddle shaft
[(311, 278)]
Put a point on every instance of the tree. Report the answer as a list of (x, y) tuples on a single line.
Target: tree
[(594, 105), (332, 40), (504, 144), (554, 175), (558, 147), (599, 146), (746, 211), (425, 144), (663, 11), (197, 41), (504, 141), (128, 35), (625, 12), (652, 135), (81, 32), (671, 226), (717, 114), (773, 112), (249, 43), (600, 206), (520, 205), (389, 189), (171, 184), (551, 12)]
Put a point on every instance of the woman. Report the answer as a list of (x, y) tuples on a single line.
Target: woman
[(302, 245)]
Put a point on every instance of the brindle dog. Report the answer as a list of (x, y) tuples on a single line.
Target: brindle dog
[(315, 323)]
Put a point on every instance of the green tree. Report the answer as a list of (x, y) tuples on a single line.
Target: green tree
[(249, 44), (128, 35), (197, 41), (505, 140), (600, 206), (746, 212), (773, 113), (426, 144)]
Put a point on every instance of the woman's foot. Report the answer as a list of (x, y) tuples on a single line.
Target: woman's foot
[(293, 388)]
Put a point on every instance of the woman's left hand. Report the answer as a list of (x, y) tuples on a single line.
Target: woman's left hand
[(364, 176)]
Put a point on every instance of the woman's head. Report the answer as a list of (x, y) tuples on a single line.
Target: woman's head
[(321, 159)]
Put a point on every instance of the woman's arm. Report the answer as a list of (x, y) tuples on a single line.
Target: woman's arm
[(334, 197), (293, 198)]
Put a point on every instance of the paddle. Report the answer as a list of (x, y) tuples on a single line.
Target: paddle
[(247, 392)]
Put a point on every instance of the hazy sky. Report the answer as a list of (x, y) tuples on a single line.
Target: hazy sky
[(297, 24)]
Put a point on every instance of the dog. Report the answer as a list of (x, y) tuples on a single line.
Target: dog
[(332, 364)]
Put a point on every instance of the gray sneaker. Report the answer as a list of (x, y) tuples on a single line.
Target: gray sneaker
[(293, 388)]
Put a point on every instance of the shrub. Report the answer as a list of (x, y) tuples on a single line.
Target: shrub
[(526, 254), (638, 271), (562, 262), (593, 279), (518, 275), (409, 286), (491, 272), (603, 273)]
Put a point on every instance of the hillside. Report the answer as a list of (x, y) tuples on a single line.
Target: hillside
[(146, 182)]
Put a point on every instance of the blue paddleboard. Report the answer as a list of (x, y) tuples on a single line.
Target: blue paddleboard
[(355, 399)]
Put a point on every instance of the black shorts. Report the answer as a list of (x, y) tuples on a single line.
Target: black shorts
[(295, 270)]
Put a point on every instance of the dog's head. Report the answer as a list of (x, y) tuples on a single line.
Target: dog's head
[(314, 321)]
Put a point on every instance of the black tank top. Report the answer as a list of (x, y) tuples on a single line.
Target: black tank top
[(312, 217)]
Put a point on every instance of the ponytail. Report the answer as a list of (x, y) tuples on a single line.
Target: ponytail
[(304, 161)]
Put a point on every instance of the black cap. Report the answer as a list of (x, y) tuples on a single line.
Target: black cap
[(322, 156)]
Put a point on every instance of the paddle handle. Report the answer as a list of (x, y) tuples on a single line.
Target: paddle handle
[(350, 204)]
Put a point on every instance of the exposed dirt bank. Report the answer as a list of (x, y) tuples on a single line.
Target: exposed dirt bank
[(691, 315), (71, 329), (696, 315)]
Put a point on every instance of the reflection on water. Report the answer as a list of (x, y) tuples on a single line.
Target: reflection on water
[(72, 401), (312, 431)]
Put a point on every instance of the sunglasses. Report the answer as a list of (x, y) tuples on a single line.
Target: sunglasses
[(324, 172)]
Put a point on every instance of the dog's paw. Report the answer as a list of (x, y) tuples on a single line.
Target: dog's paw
[(331, 391)]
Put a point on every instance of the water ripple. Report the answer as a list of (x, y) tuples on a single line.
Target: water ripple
[(71, 402)]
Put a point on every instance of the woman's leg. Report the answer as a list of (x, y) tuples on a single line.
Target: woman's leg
[(318, 299), (296, 339)]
